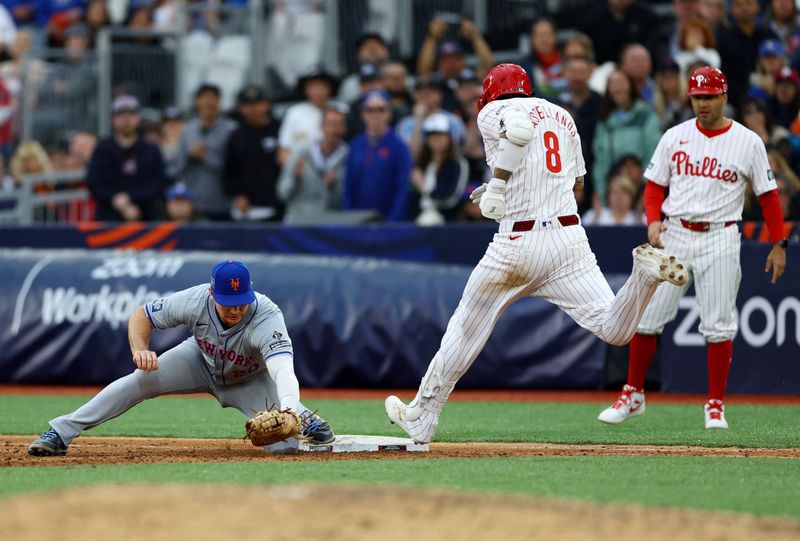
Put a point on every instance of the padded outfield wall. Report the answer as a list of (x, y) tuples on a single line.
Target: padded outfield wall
[(360, 321)]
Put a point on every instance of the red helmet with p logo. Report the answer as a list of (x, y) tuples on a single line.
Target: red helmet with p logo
[(707, 80), (502, 80)]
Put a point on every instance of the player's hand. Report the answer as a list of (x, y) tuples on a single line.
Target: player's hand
[(469, 30), (776, 262), (146, 360), (476, 194), (493, 201), (654, 231)]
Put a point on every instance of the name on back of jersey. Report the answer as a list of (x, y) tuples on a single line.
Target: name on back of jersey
[(538, 113)]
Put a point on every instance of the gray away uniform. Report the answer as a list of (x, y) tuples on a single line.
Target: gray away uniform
[(230, 364)]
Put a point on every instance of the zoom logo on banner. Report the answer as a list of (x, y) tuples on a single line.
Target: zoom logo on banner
[(82, 299), (760, 322)]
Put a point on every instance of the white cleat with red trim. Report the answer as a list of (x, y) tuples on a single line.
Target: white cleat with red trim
[(715, 414), (629, 404)]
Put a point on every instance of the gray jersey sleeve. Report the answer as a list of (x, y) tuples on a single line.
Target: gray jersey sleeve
[(271, 337), (177, 309)]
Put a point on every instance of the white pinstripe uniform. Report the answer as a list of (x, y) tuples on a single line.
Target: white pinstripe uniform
[(706, 178), (550, 260)]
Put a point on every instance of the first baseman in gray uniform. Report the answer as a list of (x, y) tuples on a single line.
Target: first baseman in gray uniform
[(239, 352)]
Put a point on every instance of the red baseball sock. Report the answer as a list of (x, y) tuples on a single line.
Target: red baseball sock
[(719, 364), (641, 350)]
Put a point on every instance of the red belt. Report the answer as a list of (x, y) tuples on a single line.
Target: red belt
[(701, 226), (527, 225)]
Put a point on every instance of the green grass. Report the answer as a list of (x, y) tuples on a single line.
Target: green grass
[(760, 486), (664, 424)]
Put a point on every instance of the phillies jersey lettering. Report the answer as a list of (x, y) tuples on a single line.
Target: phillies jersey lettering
[(706, 175), (234, 354), (541, 186)]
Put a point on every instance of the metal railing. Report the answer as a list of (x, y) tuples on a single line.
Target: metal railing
[(53, 197)]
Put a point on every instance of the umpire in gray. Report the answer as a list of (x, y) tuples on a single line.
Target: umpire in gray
[(239, 352)]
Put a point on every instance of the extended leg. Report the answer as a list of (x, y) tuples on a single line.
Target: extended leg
[(180, 370)]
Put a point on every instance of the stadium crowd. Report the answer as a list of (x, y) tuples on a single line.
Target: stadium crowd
[(396, 139)]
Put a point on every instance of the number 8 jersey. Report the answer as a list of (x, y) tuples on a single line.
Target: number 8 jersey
[(541, 187)]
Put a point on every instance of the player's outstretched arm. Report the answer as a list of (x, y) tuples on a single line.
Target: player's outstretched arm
[(139, 331)]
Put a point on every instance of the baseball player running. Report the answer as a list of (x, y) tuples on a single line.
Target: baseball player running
[(704, 162), (540, 248), (240, 353)]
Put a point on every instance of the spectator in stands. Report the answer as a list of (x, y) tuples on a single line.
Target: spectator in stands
[(543, 63), (428, 96), (627, 126), (30, 158), (97, 18), (620, 209), (584, 105), (468, 91), (696, 42), (8, 33), (439, 177), (371, 48), (450, 59), (66, 100), (771, 58), (738, 47), (56, 16), (785, 105), (379, 164), (755, 116), (715, 12), (310, 183), (202, 152), (615, 23), (630, 167), (126, 174), (251, 163), (180, 204), (7, 183), (302, 121), (23, 12), (667, 36), (782, 18), (789, 196), (172, 126), (670, 100), (8, 110), (81, 148), (371, 78), (635, 61), (395, 82)]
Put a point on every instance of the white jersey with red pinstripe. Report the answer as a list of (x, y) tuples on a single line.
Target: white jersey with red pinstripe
[(541, 186), (533, 254), (707, 175)]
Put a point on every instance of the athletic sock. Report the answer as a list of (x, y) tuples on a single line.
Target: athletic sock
[(641, 350), (719, 364)]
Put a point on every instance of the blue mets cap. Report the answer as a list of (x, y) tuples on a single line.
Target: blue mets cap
[(230, 282)]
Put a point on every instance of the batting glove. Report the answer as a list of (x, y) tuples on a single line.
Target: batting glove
[(493, 203), (476, 194)]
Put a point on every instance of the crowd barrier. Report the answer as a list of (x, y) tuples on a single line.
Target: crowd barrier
[(360, 321)]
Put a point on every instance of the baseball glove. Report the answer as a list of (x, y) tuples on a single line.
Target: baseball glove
[(271, 426)]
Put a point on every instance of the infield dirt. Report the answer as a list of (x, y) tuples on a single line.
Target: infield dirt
[(109, 450), (202, 512)]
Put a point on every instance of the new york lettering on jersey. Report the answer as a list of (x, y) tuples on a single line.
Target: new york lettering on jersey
[(541, 187), (235, 353), (708, 171)]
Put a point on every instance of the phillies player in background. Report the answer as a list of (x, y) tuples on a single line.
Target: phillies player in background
[(705, 163), (540, 248)]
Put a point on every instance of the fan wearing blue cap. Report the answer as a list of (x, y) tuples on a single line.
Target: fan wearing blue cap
[(240, 353)]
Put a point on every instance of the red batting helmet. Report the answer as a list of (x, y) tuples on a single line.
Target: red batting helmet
[(502, 80), (707, 80)]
